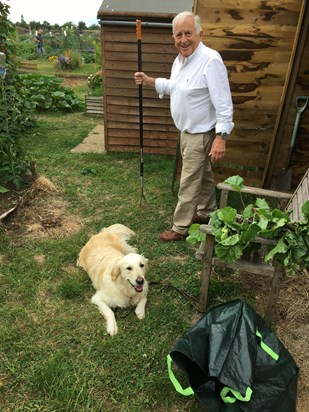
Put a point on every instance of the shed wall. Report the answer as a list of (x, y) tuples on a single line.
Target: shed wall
[(255, 40), (121, 106)]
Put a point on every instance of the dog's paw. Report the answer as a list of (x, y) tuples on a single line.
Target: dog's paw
[(140, 314), (111, 327)]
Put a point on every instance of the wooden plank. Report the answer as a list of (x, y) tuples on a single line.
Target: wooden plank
[(94, 105), (28, 65), (206, 273), (283, 12), (252, 177), (157, 67), (257, 191), (246, 266), (300, 196), (146, 126), (147, 150), (150, 110), (148, 134), (158, 48)]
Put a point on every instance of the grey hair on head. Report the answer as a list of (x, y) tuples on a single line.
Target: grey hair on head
[(183, 15)]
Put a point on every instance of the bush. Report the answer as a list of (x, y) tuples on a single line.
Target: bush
[(89, 57), (46, 93), (25, 49)]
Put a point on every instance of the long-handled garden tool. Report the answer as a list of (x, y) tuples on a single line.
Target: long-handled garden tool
[(285, 175), (143, 201)]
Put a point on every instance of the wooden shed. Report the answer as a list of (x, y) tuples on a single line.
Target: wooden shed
[(264, 44), (120, 61)]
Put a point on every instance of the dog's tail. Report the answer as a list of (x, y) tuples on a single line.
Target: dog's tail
[(120, 230)]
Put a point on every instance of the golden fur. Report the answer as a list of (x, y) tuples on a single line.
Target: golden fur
[(117, 273)]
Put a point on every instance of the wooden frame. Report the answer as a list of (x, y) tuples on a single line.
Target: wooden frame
[(274, 271)]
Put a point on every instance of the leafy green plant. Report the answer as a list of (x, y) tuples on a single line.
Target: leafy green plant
[(16, 112), (46, 93), (26, 49), (234, 232), (88, 56), (3, 189)]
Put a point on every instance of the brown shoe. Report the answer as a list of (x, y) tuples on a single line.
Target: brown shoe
[(200, 220), (170, 236)]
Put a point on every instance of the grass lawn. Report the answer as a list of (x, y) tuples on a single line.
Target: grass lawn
[(55, 353)]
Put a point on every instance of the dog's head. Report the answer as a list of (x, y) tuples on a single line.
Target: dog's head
[(132, 268)]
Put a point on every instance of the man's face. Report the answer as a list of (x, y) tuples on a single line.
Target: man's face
[(186, 39)]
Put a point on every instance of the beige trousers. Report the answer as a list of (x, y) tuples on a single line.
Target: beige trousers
[(197, 189)]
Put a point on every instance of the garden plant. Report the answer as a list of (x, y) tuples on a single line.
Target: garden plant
[(235, 231)]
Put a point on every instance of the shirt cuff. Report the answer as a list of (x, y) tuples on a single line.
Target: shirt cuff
[(160, 86), (224, 127)]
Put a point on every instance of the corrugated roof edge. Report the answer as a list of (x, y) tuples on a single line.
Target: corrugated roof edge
[(131, 16)]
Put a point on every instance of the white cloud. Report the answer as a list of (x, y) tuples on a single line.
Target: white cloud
[(54, 11)]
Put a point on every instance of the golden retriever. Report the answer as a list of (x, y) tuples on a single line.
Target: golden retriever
[(117, 272)]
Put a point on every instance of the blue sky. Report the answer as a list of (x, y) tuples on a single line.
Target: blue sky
[(54, 11)]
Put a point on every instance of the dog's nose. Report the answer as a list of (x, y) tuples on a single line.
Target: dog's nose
[(140, 281)]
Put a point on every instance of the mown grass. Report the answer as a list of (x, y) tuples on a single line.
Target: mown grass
[(55, 353)]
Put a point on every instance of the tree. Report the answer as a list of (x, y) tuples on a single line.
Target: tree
[(46, 25), (81, 26), (94, 27)]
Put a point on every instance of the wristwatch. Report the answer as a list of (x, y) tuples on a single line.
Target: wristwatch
[(223, 135)]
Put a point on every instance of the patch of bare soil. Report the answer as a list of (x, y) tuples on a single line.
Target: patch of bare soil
[(40, 212), (73, 81)]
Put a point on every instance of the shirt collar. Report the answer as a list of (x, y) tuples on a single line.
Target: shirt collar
[(185, 60)]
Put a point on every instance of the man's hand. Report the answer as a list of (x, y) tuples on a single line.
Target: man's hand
[(142, 78), (217, 149)]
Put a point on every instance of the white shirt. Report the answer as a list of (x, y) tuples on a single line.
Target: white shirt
[(199, 91)]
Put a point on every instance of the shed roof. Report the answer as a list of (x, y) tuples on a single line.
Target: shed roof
[(146, 6), (148, 10)]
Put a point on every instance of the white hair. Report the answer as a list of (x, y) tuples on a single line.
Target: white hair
[(183, 15)]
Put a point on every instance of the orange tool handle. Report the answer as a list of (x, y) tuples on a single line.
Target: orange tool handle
[(139, 29)]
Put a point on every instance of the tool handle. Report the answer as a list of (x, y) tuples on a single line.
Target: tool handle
[(301, 107), (140, 87), (139, 44), (295, 130), (138, 29)]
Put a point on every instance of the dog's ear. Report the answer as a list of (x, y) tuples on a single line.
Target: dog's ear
[(146, 262), (115, 272)]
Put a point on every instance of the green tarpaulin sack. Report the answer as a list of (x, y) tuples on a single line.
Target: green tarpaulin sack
[(234, 362)]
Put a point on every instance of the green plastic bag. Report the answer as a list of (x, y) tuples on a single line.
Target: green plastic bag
[(234, 362)]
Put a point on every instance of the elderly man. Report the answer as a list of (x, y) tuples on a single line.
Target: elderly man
[(202, 109)]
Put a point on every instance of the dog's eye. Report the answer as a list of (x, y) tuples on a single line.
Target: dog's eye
[(129, 268), (141, 265)]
